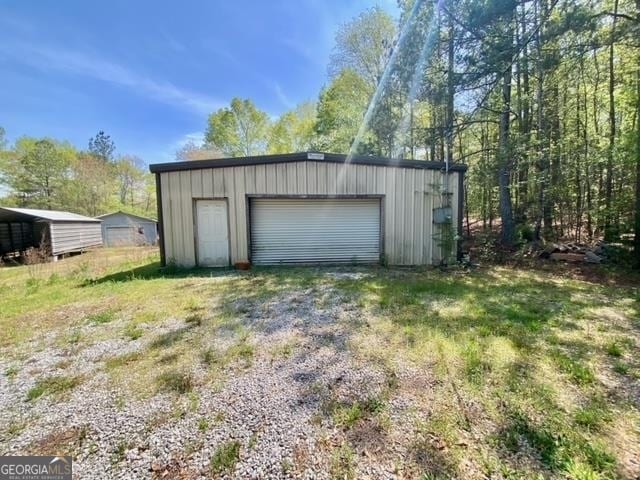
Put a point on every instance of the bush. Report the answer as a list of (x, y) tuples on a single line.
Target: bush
[(524, 233)]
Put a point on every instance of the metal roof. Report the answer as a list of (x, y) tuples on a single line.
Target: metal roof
[(302, 157), (120, 212), (49, 215)]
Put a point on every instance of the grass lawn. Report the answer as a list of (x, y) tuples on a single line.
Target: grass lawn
[(498, 373)]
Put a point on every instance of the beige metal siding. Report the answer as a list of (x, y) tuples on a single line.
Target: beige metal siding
[(74, 236), (410, 195)]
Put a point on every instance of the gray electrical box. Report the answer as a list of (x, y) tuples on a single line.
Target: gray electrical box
[(442, 215)]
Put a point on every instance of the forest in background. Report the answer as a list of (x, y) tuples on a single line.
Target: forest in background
[(54, 175), (541, 98)]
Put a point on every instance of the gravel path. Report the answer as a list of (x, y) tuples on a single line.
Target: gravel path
[(275, 408)]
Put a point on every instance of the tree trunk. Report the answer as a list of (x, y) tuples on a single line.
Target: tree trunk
[(636, 240), (608, 230), (578, 179), (505, 162), (523, 169), (542, 163)]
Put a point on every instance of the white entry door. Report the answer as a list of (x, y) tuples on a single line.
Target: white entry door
[(213, 233)]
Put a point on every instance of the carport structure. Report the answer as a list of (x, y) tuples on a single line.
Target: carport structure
[(55, 231)]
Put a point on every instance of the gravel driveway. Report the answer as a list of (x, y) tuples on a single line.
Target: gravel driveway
[(280, 407)]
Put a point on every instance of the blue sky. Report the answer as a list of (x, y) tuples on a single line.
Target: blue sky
[(149, 72)]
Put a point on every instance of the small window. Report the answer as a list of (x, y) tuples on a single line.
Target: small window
[(141, 230)]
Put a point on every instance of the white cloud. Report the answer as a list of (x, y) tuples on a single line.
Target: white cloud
[(168, 152), (286, 101), (196, 138), (92, 66)]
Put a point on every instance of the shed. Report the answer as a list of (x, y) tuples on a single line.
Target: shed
[(120, 229), (308, 208), (58, 232)]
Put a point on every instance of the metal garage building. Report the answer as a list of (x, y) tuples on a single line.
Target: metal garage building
[(124, 229), (307, 208), (58, 232)]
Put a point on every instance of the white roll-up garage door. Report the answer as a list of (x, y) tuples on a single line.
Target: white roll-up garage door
[(315, 230)]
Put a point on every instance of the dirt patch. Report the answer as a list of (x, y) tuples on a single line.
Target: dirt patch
[(175, 469), (61, 442)]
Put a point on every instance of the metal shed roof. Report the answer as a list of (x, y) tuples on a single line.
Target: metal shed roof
[(120, 212), (10, 213), (302, 157)]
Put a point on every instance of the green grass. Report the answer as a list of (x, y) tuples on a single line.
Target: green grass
[(53, 386), (558, 450), (168, 339), (577, 370), (101, 317), (240, 351), (514, 373), (175, 381), (343, 463), (503, 341), (225, 457), (194, 319), (614, 349), (347, 415), (203, 424), (123, 360), (15, 428), (593, 415), (11, 372), (133, 332), (621, 367)]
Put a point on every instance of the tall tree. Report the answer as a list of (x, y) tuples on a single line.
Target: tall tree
[(37, 171), (238, 130), (102, 146), (293, 131), (129, 175), (364, 45), (636, 229), (341, 108), (90, 185), (191, 151), (608, 232), (505, 159)]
